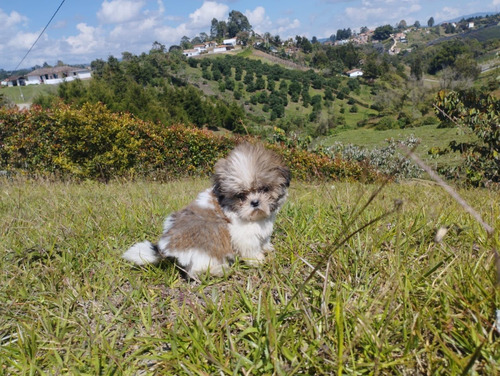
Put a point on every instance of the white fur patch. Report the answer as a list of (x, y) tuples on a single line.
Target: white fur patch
[(195, 261), (243, 169), (168, 223), (205, 199), (163, 245), (250, 237), (142, 254)]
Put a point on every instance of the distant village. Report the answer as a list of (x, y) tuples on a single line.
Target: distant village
[(62, 73)]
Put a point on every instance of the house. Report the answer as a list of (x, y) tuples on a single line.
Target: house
[(341, 42), (353, 73), (220, 48), (50, 76), (470, 25), (14, 81), (231, 41), (200, 47), (291, 51), (191, 52), (56, 75)]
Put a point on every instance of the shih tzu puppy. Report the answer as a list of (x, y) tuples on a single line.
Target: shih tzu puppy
[(233, 217)]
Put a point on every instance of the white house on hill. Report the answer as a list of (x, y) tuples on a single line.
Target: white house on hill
[(231, 41), (191, 52), (353, 73), (49, 76)]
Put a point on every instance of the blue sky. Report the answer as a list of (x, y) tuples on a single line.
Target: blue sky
[(86, 30)]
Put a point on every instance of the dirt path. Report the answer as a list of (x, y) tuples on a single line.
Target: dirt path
[(277, 60)]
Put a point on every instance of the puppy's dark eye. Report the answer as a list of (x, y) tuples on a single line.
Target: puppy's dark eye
[(264, 189), (241, 196)]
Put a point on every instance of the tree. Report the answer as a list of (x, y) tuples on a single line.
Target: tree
[(402, 24), (363, 30), (480, 112), (306, 45), (371, 68), (294, 90), (383, 32), (343, 34), (416, 67), (450, 28), (186, 43), (430, 23), (174, 47), (214, 28), (417, 24), (466, 67), (243, 37), (203, 37), (157, 46), (222, 29), (236, 23)]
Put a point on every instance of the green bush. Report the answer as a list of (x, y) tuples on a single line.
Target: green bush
[(386, 123), (94, 143), (478, 112)]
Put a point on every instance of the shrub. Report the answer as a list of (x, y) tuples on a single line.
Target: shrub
[(94, 143), (386, 123), (480, 113), (386, 160)]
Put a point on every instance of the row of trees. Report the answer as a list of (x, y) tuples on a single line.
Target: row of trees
[(148, 87)]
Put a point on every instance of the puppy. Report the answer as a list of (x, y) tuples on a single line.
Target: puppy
[(233, 217)]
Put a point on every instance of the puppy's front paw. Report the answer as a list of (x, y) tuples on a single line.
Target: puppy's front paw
[(257, 259), (268, 248)]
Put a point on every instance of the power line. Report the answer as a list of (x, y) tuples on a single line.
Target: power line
[(45, 28)]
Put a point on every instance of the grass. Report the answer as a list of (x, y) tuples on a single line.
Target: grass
[(430, 136), (389, 301), (26, 94)]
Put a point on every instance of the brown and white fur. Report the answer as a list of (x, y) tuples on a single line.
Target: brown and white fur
[(233, 217)]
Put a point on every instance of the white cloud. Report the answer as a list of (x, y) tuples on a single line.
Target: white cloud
[(362, 15), (374, 13), (87, 41), (117, 11), (8, 21), (170, 35), (208, 11), (23, 40), (447, 13), (285, 25)]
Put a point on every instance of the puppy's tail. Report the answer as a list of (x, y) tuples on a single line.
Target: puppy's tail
[(143, 253)]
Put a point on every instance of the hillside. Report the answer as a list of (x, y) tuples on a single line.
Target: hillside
[(300, 94)]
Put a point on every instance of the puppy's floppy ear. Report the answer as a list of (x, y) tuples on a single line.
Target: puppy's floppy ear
[(217, 177), (286, 174)]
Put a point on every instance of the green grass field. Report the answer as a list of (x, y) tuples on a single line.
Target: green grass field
[(430, 136), (389, 300), (26, 94)]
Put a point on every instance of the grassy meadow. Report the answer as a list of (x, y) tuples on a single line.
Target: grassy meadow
[(389, 300), (430, 137), (26, 94)]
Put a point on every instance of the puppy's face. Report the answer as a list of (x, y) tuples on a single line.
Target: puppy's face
[(252, 182)]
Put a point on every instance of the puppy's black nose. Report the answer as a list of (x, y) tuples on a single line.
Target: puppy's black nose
[(254, 203)]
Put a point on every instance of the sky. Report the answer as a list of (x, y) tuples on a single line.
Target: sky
[(83, 31)]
